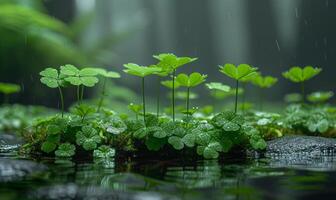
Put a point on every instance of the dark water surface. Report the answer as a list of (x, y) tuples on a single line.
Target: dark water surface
[(176, 179)]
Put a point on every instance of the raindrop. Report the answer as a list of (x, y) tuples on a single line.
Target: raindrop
[(278, 46), (327, 3), (296, 12)]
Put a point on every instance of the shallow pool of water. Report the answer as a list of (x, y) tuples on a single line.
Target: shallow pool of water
[(173, 179)]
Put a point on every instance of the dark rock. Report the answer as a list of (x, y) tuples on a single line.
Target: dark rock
[(73, 191), (9, 142), (11, 170), (314, 146), (304, 152)]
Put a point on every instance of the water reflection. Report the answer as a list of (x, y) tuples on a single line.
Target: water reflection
[(175, 179)]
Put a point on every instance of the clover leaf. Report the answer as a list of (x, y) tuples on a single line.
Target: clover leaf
[(141, 71), (264, 81), (88, 137), (104, 152), (169, 62), (169, 84), (176, 142), (228, 121), (239, 72), (65, 150), (317, 122), (297, 74), (210, 151), (115, 126), (320, 97), (86, 76), (105, 73), (48, 146), (192, 80), (51, 78), (154, 143), (9, 88), (218, 86)]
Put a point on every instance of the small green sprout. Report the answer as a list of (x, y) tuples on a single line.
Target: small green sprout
[(52, 79), (320, 97), (190, 81), (83, 110), (241, 72), (136, 108), (141, 71), (80, 78), (8, 89), (300, 75), (263, 82), (170, 63), (88, 137), (65, 150), (105, 74)]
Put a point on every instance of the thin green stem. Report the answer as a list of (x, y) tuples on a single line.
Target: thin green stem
[(102, 96), (173, 94), (243, 97), (303, 92), (143, 100), (78, 99), (62, 99), (158, 98), (188, 99), (82, 93), (236, 102)]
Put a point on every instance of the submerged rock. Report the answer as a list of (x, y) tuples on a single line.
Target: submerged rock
[(12, 170), (306, 152), (9, 142), (73, 191)]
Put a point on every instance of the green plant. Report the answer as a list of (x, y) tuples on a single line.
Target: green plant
[(320, 97), (88, 138), (263, 82), (52, 79), (8, 89), (169, 63), (190, 81), (242, 71), (162, 73), (65, 150), (80, 78), (105, 74), (300, 75), (141, 71), (136, 108), (104, 152)]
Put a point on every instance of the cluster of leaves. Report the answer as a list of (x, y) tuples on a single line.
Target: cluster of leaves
[(15, 118), (308, 119), (208, 138), (73, 134)]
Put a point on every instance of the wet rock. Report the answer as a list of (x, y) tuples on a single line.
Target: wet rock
[(9, 142), (11, 170), (304, 152), (73, 191), (314, 146)]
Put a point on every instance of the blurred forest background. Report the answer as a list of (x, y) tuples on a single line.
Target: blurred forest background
[(269, 34)]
